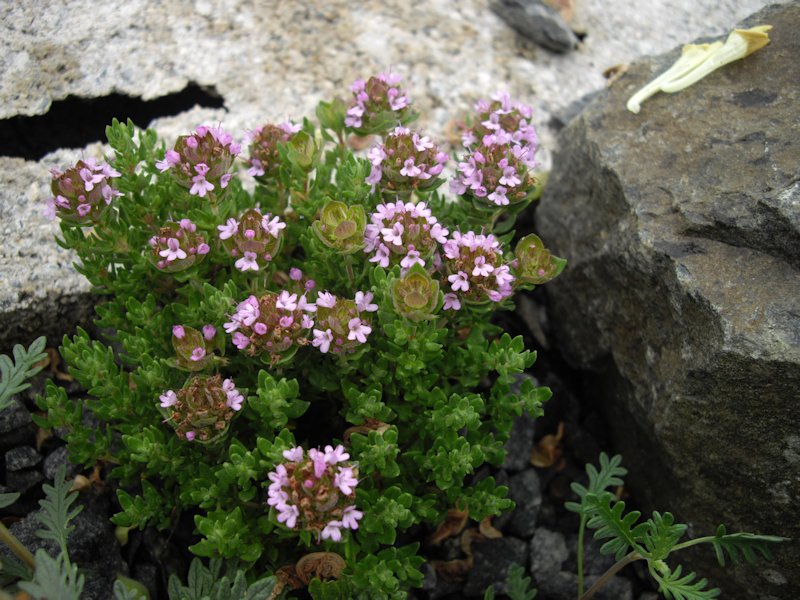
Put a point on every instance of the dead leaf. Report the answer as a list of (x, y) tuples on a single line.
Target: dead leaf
[(42, 435), (80, 483), (55, 360), (365, 428), (452, 525), (452, 570), (546, 453), (287, 575), (488, 530), (324, 565), (614, 73), (467, 537)]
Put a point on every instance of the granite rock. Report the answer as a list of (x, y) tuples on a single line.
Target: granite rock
[(681, 226), (538, 21)]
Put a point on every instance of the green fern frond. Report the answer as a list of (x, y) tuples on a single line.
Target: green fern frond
[(54, 579), (675, 587), (619, 529), (13, 375), (610, 474), (517, 585), (7, 499), (56, 514), (749, 544), (661, 535)]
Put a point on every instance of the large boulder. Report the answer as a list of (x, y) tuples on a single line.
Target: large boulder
[(682, 295)]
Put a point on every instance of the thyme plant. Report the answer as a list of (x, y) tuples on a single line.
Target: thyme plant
[(307, 365)]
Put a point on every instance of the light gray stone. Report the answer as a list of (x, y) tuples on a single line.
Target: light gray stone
[(680, 225), (548, 552), (22, 457), (524, 489), (538, 21)]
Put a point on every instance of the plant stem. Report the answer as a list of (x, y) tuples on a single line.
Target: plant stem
[(618, 566), (581, 530), (701, 540), (10, 540)]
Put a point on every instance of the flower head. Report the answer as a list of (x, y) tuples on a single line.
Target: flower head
[(82, 193), (253, 239), (202, 410), (378, 103), (264, 157), (474, 268), (177, 246), (402, 231), (405, 162)]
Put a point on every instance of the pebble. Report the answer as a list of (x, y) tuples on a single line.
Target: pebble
[(492, 560), (525, 491), (538, 22), (548, 552), (22, 457)]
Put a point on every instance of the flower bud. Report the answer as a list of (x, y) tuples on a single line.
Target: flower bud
[(415, 295), (254, 240), (378, 105), (535, 263), (194, 350), (177, 246), (82, 193), (264, 154), (202, 410), (316, 492), (341, 227), (201, 162)]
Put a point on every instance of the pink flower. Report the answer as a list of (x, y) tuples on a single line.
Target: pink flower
[(209, 331), (451, 302), (411, 259), (286, 301), (178, 331), (229, 229), (173, 251), (171, 159), (509, 177), (332, 531), (318, 458), (247, 262), (190, 435), (235, 398), (498, 196), (168, 398), (358, 330), (198, 354), (363, 302), (288, 514), (295, 454), (295, 274), (260, 328), (322, 340), (240, 340), (376, 155), (274, 226), (203, 248), (410, 169), (459, 281), (200, 186), (326, 299), (351, 516), (482, 268), (345, 480), (335, 455)]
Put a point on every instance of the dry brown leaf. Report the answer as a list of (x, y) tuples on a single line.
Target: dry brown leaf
[(287, 575), (614, 73), (80, 483), (42, 435), (452, 525), (55, 360), (487, 529), (365, 428), (452, 570), (546, 453), (324, 565), (467, 537)]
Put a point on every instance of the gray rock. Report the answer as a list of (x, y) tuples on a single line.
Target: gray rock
[(525, 491), (594, 563), (682, 230), (519, 445), (537, 21), (58, 457), (492, 560), (548, 552), (16, 426), (23, 481), (22, 457)]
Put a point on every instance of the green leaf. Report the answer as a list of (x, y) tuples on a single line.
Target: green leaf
[(612, 524), (517, 585), (8, 499), (749, 544), (126, 588), (661, 535), (14, 374), (675, 587), (56, 513), (610, 474), (54, 578)]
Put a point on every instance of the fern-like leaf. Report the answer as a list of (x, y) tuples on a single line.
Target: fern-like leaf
[(517, 585), (54, 579), (610, 474), (612, 524), (13, 375), (661, 535), (56, 513), (8, 499), (205, 583), (749, 544), (675, 587), (126, 588)]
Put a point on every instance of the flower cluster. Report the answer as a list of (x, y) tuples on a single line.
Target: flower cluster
[(202, 410), (404, 233), (316, 492), (405, 162), (264, 155), (178, 246), (82, 192), (253, 239), (503, 121), (194, 350), (276, 324), (378, 103), (342, 324), (200, 162), (475, 270), (494, 173)]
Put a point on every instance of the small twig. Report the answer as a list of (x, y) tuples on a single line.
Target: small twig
[(17, 547), (618, 566)]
